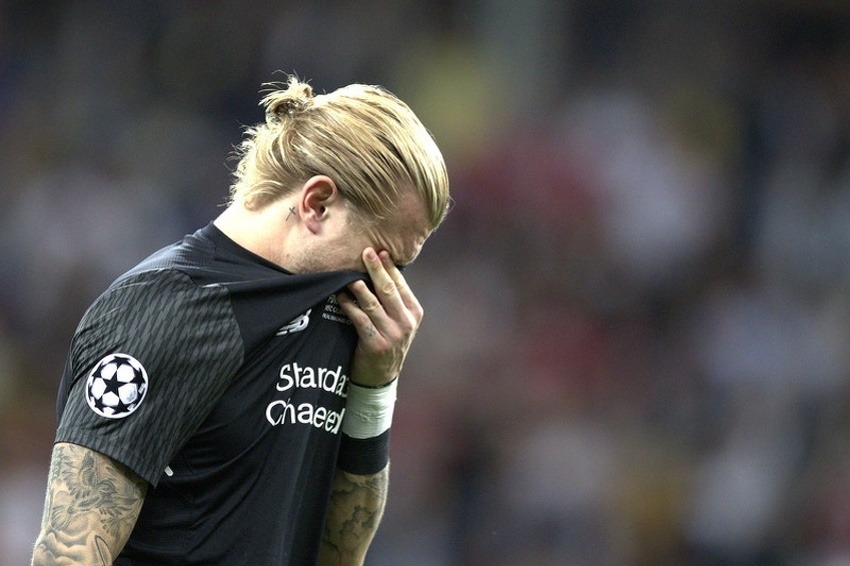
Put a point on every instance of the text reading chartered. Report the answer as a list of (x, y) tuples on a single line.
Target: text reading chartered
[(282, 411)]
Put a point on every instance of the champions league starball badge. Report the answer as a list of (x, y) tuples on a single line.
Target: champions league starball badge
[(116, 386)]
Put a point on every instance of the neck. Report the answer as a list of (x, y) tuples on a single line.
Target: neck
[(264, 232)]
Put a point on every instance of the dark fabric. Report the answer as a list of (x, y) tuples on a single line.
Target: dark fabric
[(364, 456), (239, 427)]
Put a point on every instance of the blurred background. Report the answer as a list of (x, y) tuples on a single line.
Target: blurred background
[(637, 342)]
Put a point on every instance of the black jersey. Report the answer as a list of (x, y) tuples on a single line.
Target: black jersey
[(221, 380)]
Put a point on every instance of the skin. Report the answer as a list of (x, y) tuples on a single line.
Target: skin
[(329, 235), (93, 502), (354, 512), (324, 233), (386, 324), (91, 506)]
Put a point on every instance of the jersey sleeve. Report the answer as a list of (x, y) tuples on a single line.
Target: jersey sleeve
[(148, 362)]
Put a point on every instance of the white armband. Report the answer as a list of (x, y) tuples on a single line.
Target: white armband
[(369, 411)]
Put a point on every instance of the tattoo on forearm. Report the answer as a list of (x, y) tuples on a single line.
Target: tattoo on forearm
[(355, 510), (90, 509)]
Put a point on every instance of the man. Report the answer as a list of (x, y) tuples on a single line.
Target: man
[(228, 400)]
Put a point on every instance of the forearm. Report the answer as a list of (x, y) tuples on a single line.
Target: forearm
[(91, 506), (354, 512)]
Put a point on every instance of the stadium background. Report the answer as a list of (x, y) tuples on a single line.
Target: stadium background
[(638, 313)]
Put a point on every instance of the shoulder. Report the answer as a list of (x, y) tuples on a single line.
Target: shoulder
[(162, 287), (147, 299), (154, 313)]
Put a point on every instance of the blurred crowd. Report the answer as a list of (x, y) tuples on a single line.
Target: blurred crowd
[(636, 347)]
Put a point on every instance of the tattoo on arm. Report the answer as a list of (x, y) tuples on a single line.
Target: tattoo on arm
[(354, 512), (91, 506)]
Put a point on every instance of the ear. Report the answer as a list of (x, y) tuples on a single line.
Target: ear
[(318, 195)]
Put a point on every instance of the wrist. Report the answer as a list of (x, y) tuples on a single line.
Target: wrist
[(375, 386), (369, 409), (364, 447)]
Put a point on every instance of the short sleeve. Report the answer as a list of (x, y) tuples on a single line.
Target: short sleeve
[(148, 362)]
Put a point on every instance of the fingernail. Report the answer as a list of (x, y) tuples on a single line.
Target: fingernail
[(371, 255)]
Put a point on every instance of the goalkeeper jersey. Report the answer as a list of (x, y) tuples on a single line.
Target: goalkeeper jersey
[(219, 378)]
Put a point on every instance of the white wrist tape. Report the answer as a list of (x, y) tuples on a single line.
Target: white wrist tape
[(368, 411)]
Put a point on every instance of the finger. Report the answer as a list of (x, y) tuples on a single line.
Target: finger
[(364, 299), (360, 310), (408, 298), (386, 289), (367, 310)]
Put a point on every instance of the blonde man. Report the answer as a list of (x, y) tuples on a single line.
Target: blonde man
[(229, 400)]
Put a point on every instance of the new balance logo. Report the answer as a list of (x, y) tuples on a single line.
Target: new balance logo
[(297, 325)]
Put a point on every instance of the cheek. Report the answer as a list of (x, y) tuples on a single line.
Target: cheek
[(346, 255)]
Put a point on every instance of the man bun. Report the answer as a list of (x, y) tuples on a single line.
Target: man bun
[(286, 101)]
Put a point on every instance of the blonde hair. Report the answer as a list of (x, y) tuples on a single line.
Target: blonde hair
[(363, 137)]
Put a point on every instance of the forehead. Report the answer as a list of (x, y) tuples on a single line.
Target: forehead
[(405, 233)]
